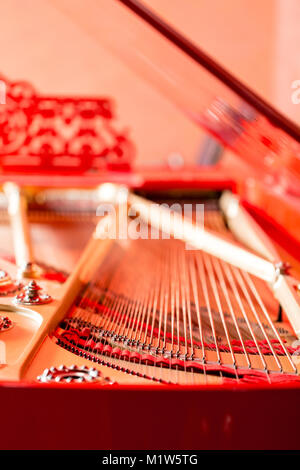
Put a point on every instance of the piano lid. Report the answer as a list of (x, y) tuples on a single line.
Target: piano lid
[(201, 90)]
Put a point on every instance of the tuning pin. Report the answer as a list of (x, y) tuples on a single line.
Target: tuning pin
[(5, 323), (32, 294), (7, 285), (30, 270), (76, 374)]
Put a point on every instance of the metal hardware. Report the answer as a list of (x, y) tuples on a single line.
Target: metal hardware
[(32, 294), (5, 324), (283, 268), (7, 285), (30, 270), (73, 374)]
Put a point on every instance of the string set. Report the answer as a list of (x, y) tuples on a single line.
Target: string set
[(158, 310)]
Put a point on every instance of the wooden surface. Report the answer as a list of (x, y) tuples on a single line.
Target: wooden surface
[(58, 244)]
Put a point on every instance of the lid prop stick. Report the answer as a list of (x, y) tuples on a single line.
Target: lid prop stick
[(177, 226)]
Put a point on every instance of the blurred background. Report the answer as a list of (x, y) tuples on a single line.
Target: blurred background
[(56, 45)]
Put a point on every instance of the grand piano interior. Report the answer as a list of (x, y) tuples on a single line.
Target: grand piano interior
[(150, 240)]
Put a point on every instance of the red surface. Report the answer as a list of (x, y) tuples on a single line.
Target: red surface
[(59, 135), (77, 417), (275, 231)]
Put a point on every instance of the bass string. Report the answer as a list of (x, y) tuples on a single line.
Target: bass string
[(268, 319), (244, 289), (207, 300), (216, 222), (161, 299), (229, 305), (117, 302), (155, 286), (213, 282), (162, 294), (117, 307), (248, 284), (242, 309), (90, 297), (187, 298), (100, 294), (194, 287), (136, 304)]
